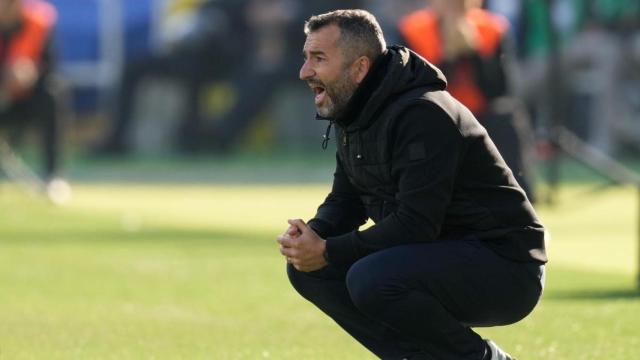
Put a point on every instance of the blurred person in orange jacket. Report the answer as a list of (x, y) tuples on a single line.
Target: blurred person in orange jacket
[(471, 46), (26, 91)]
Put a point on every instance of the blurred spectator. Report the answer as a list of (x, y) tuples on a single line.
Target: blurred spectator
[(592, 60), (595, 65), (244, 48), (471, 47), (262, 68), (206, 47), (275, 28), (599, 70), (28, 93)]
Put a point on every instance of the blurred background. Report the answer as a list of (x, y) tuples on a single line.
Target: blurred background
[(219, 77), (186, 139)]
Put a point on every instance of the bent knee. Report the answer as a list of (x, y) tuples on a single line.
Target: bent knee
[(369, 290), (296, 278), (306, 284)]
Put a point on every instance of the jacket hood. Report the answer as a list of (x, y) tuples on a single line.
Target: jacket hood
[(395, 72)]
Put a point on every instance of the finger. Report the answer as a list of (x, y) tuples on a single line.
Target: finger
[(299, 224), (288, 252), (285, 240), (292, 231), (292, 228)]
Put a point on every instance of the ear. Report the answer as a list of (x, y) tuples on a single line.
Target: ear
[(361, 68)]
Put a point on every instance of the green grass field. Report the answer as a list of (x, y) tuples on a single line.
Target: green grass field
[(193, 272)]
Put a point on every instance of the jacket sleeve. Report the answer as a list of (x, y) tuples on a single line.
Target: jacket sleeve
[(342, 211), (426, 153)]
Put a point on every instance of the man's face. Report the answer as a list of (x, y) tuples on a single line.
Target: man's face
[(326, 72)]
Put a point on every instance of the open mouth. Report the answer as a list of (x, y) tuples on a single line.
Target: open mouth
[(320, 92)]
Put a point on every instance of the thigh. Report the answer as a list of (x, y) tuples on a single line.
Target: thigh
[(477, 286), (327, 290)]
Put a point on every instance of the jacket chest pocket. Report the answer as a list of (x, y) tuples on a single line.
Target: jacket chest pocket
[(363, 152), (368, 163)]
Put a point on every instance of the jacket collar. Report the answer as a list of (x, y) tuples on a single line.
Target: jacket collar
[(395, 72), (362, 93)]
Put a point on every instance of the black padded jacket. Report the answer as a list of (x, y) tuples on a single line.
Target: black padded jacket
[(415, 161)]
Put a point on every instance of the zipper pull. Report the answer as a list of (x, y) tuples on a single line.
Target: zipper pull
[(344, 139), (325, 137)]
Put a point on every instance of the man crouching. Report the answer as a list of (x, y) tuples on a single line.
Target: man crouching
[(455, 245)]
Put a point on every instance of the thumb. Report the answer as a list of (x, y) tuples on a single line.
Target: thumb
[(299, 224)]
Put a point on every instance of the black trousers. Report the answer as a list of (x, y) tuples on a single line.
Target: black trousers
[(41, 110), (420, 301)]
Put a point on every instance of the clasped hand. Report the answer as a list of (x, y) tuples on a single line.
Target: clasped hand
[(302, 247)]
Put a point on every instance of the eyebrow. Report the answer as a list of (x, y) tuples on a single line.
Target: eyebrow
[(313, 52)]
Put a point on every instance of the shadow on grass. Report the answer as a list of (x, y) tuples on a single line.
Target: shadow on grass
[(595, 294)]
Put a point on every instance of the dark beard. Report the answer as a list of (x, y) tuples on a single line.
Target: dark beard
[(340, 93)]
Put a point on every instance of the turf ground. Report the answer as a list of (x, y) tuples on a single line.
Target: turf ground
[(182, 271)]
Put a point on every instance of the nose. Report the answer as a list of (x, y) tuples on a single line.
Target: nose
[(306, 72)]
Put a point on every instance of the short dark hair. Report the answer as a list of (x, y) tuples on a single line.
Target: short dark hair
[(360, 33)]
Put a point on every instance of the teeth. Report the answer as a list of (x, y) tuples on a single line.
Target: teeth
[(315, 86)]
